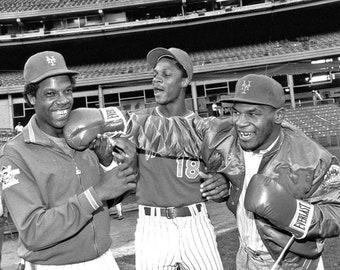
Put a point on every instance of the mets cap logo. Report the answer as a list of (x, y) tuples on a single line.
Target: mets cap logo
[(245, 87), (51, 60), (7, 176)]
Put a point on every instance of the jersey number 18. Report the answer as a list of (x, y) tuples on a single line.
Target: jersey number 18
[(189, 167)]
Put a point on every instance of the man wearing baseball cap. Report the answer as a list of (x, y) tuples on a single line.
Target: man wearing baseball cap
[(173, 228), (57, 196), (285, 187)]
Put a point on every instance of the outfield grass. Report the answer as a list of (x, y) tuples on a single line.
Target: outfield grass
[(228, 245)]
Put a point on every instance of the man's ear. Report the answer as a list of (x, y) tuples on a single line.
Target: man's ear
[(185, 82), (279, 115), (31, 99)]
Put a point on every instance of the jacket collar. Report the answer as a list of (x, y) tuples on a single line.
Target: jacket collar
[(276, 145), (33, 134)]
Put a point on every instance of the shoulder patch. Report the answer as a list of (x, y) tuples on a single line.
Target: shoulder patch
[(7, 176), (331, 179)]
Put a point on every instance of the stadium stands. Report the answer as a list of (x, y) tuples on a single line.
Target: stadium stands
[(321, 122), (7, 6), (5, 135), (29, 20), (31, 5), (243, 54)]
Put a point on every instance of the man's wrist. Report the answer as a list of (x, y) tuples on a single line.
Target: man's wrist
[(302, 219)]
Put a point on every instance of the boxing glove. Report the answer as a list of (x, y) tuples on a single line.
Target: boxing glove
[(270, 200), (85, 123)]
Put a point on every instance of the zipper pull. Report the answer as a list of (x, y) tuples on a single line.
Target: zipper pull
[(78, 172)]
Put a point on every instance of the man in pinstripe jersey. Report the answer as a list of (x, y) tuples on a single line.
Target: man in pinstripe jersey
[(173, 229)]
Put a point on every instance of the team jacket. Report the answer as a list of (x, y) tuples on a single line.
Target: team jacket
[(306, 170), (51, 200)]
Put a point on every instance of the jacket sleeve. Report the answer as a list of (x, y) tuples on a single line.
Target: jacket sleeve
[(39, 224), (326, 199)]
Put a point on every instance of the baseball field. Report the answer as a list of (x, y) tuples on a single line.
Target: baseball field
[(122, 233)]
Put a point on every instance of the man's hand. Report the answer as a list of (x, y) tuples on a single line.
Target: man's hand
[(116, 182), (103, 148), (215, 186), (126, 152)]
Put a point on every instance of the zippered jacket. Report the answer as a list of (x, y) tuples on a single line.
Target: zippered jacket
[(49, 194), (307, 170)]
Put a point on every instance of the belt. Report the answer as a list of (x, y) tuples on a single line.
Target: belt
[(173, 212)]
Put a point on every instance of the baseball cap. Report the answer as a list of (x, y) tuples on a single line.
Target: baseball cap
[(179, 55), (258, 89), (45, 64)]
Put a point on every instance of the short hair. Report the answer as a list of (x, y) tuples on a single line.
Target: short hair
[(32, 88)]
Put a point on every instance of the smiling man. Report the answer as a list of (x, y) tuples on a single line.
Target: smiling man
[(56, 195), (285, 188)]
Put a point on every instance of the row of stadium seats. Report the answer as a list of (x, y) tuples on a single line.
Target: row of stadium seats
[(5, 135), (31, 5), (7, 6), (227, 55), (321, 123)]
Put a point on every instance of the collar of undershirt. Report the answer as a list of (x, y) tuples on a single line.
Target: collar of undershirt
[(187, 114), (264, 151)]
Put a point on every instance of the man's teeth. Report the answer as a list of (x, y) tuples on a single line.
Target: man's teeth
[(61, 112), (245, 133)]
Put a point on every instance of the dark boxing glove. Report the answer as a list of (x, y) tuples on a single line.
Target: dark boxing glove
[(268, 199), (85, 123)]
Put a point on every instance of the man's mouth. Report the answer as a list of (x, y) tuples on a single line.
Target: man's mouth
[(157, 89), (61, 113), (246, 135)]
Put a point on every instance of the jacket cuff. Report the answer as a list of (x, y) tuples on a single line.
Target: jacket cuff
[(91, 200)]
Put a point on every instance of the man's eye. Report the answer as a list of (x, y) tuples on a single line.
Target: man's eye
[(69, 91)]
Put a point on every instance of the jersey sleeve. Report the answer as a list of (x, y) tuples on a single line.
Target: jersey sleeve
[(175, 136)]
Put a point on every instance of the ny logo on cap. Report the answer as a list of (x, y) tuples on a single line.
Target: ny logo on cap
[(245, 87), (51, 60)]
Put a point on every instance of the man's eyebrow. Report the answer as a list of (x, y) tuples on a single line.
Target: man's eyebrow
[(251, 110)]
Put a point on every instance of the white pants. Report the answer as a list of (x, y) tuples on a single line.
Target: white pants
[(104, 262), (185, 242)]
